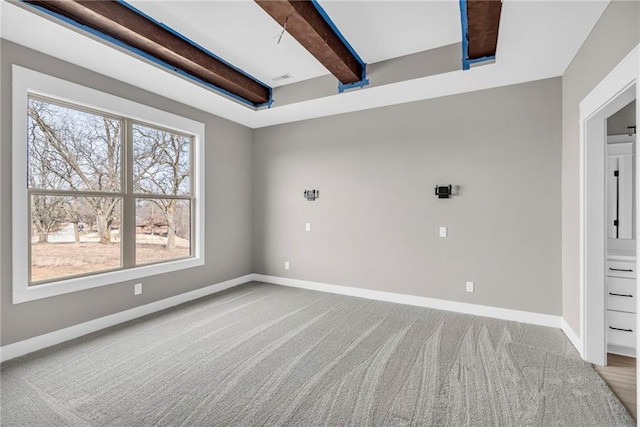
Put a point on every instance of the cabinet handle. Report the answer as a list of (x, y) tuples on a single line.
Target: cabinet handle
[(621, 295), (618, 329), (621, 269)]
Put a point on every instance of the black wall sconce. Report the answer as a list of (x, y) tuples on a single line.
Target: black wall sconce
[(444, 191), (311, 195)]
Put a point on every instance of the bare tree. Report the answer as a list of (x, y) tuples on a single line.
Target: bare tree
[(82, 151), (162, 167), (182, 219), (47, 214)]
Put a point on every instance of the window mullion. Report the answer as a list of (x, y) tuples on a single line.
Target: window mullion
[(128, 226), (192, 185)]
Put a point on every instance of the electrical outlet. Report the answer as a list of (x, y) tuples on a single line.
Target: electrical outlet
[(137, 289), (443, 231), (308, 226), (470, 286), (286, 265)]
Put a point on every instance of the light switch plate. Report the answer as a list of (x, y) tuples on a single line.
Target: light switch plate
[(137, 289), (443, 231), (308, 226), (470, 286)]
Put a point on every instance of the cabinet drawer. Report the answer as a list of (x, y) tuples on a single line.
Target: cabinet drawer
[(621, 268), (621, 294), (621, 328)]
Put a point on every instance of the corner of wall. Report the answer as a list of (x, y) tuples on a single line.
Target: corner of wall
[(573, 337)]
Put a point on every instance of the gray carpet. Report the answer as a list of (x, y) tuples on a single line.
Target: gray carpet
[(267, 355)]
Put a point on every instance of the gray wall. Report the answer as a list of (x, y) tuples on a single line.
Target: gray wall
[(613, 37), (375, 225), (228, 211)]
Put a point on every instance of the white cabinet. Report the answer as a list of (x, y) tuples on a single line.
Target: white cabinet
[(621, 295), (621, 305), (621, 331)]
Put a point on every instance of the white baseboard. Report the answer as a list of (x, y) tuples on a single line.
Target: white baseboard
[(439, 304), (573, 337), (20, 348), (33, 344)]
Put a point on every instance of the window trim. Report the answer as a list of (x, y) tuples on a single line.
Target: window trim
[(25, 82)]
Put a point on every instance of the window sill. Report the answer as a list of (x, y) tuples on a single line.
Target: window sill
[(61, 287)]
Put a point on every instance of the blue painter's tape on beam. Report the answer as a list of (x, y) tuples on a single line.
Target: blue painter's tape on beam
[(483, 59), (160, 62), (464, 20), (363, 78), (335, 30), (362, 83), (343, 87), (191, 42)]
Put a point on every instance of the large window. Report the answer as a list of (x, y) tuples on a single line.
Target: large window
[(112, 191)]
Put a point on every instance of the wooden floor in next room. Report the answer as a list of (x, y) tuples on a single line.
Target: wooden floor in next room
[(620, 376)]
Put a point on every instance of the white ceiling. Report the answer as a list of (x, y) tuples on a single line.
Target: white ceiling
[(380, 30), (537, 39)]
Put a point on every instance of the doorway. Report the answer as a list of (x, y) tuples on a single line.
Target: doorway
[(621, 275), (612, 94)]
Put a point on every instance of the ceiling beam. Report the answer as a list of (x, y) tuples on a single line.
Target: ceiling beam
[(483, 21), (136, 30), (305, 23)]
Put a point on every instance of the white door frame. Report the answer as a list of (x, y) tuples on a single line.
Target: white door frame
[(615, 91)]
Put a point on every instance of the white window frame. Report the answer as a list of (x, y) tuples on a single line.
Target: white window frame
[(25, 82)]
